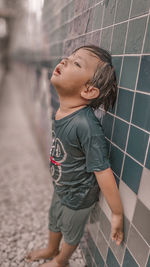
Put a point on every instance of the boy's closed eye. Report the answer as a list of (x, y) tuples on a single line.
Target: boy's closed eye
[(75, 62)]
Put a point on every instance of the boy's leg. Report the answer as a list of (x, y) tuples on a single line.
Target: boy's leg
[(51, 250), (61, 260)]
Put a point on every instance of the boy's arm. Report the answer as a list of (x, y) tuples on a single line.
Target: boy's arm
[(108, 186)]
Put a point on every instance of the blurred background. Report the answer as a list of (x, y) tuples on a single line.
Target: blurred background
[(34, 36)]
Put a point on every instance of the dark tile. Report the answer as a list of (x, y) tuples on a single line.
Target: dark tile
[(111, 260), (124, 105), (148, 263), (139, 8), (144, 75), (80, 24), (90, 20), (117, 179), (120, 133), (141, 116), (116, 158), (137, 136), (107, 125), (80, 6), (116, 61), (147, 40), (141, 220), (129, 72), (128, 260), (135, 35), (147, 164), (98, 258), (132, 174), (104, 225), (105, 38), (118, 40), (123, 8), (126, 225), (94, 251), (109, 13), (140, 251), (98, 12), (96, 37), (88, 258)]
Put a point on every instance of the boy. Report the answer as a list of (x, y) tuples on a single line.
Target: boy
[(78, 158)]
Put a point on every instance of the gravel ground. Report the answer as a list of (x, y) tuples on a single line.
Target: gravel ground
[(25, 185)]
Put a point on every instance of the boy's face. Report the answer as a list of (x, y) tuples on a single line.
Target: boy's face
[(75, 71)]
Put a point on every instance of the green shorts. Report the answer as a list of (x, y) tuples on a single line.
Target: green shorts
[(69, 222)]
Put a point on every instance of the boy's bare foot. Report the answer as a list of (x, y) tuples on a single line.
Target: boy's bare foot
[(39, 254), (53, 263)]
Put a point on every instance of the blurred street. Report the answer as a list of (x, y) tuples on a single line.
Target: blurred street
[(25, 184)]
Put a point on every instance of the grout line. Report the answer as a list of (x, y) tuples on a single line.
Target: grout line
[(146, 153), (123, 161), (113, 26), (129, 55)]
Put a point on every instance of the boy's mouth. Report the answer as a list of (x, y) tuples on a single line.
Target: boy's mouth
[(57, 70)]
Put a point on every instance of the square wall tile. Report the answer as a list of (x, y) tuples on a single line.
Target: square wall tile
[(147, 164), (109, 13), (129, 260), (123, 8), (141, 249), (141, 111), (105, 38), (135, 35), (124, 105), (147, 42), (116, 158), (107, 125), (111, 259), (129, 72), (90, 20), (137, 136), (120, 133), (143, 193), (139, 8), (96, 37), (98, 13), (116, 61), (144, 75), (132, 173), (118, 39), (128, 198), (141, 220)]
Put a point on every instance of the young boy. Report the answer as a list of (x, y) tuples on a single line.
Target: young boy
[(78, 158)]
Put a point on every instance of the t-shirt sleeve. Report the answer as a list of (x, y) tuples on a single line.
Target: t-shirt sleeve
[(94, 146)]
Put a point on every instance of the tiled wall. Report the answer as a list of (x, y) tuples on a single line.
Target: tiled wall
[(122, 27)]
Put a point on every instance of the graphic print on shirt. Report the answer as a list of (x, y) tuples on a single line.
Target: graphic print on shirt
[(57, 156)]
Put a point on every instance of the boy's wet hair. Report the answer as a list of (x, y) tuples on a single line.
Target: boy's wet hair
[(104, 78)]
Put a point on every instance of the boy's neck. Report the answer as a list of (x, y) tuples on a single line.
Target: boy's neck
[(69, 106)]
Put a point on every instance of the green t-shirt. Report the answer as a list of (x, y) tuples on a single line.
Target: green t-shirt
[(78, 149)]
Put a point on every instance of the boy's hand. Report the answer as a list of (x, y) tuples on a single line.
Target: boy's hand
[(117, 228)]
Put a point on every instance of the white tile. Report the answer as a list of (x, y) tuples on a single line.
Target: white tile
[(144, 188), (104, 206), (128, 198)]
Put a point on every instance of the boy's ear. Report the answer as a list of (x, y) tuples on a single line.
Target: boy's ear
[(90, 93)]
